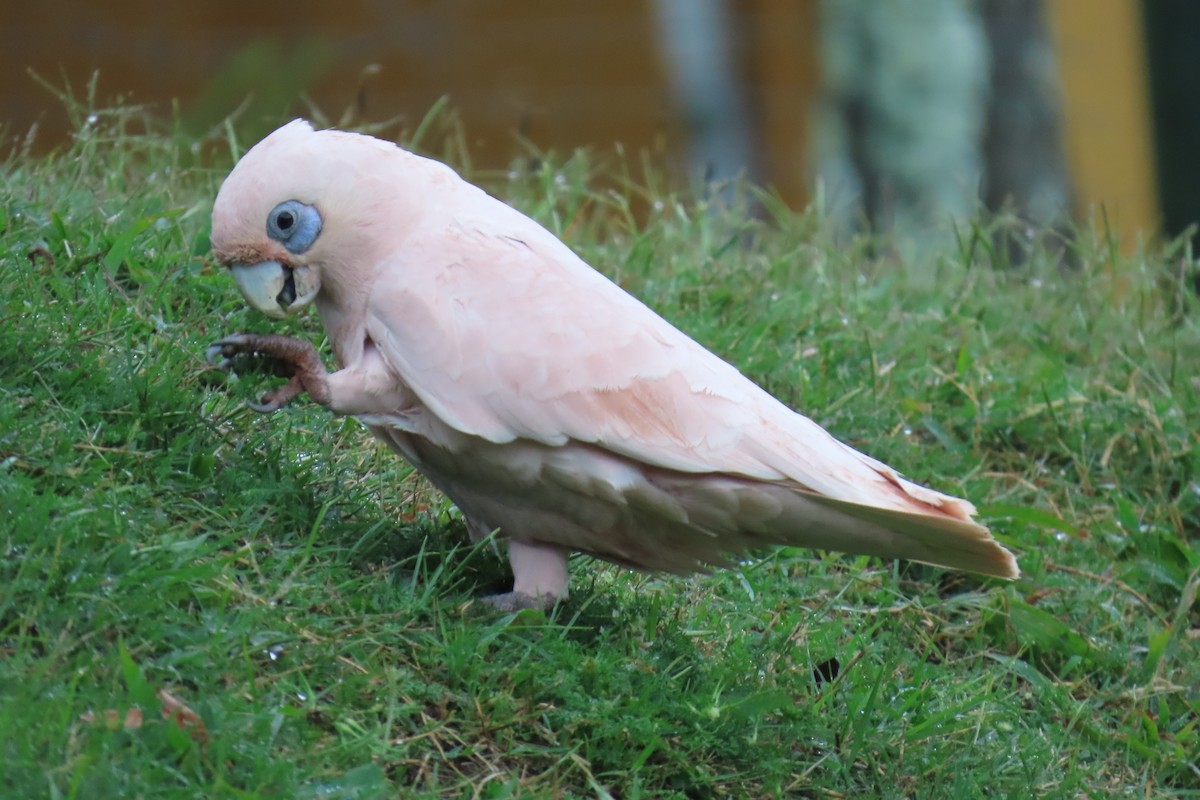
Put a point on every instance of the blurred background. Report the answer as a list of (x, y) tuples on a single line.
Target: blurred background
[(897, 115)]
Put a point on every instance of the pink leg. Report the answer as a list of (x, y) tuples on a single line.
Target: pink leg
[(540, 571)]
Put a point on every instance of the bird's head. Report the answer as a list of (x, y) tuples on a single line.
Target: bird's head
[(294, 216)]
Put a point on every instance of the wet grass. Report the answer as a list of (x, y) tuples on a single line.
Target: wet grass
[(306, 603)]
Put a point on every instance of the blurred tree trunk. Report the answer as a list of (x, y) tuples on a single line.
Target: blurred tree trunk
[(1022, 145), (937, 107), (906, 83), (697, 48)]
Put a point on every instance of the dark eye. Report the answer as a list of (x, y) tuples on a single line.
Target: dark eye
[(295, 225)]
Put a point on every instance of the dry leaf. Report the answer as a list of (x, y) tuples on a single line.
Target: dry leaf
[(112, 719), (175, 709)]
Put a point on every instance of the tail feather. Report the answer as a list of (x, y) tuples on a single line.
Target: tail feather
[(720, 515), (936, 539)]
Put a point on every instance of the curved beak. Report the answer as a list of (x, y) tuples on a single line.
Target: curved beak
[(272, 288)]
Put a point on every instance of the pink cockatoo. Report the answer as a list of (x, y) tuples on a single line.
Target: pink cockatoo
[(540, 397)]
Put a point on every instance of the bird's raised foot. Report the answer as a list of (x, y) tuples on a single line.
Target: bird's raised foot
[(293, 358), (288, 350)]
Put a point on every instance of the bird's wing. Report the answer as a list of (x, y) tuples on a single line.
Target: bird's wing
[(504, 333)]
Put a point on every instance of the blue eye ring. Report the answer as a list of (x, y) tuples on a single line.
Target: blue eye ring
[(294, 225)]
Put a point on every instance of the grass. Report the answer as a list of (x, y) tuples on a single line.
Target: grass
[(307, 601)]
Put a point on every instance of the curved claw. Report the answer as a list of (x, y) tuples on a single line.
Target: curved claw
[(217, 357), (278, 398), (265, 408), (221, 352)]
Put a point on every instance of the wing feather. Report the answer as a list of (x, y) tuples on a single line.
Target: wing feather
[(504, 333)]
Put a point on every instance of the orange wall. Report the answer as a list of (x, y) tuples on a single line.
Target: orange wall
[(1106, 111), (561, 74)]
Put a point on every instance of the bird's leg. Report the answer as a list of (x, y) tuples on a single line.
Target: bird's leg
[(540, 571), (297, 357)]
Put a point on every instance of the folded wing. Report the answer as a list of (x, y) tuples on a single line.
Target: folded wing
[(505, 334)]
